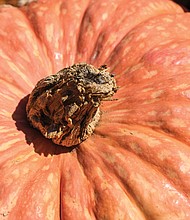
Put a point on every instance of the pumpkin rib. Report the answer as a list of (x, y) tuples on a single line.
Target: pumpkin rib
[(89, 22), (27, 56), (148, 10), (156, 111), (174, 54), (12, 179), (12, 154), (155, 98), (13, 86), (76, 196), (125, 166), (106, 166), (132, 139), (113, 165), (108, 182), (53, 36), (95, 32), (46, 184), (156, 117), (158, 30)]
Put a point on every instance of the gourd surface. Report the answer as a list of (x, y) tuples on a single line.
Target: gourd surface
[(136, 165)]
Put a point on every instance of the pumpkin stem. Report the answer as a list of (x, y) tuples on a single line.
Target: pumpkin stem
[(65, 106)]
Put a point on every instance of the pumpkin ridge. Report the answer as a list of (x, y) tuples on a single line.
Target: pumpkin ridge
[(155, 130), (129, 191), (106, 170), (132, 44), (151, 151), (16, 85), (75, 195), (45, 189), (98, 34), (154, 168)]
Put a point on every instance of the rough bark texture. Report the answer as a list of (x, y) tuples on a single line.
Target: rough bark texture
[(65, 106)]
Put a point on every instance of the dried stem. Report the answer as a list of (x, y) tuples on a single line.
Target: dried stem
[(65, 106)]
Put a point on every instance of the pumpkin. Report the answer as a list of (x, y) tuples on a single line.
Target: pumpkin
[(136, 165)]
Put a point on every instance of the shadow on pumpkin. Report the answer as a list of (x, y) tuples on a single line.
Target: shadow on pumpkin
[(42, 146)]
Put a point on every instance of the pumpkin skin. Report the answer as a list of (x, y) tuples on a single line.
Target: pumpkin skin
[(136, 164)]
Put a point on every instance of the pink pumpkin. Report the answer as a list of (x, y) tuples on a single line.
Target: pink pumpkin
[(136, 165)]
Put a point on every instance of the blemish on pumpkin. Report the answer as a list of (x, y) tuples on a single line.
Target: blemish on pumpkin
[(24, 56), (11, 199), (149, 27), (40, 13), (56, 44), (166, 113), (68, 47), (177, 122), (152, 113), (47, 195), (160, 28), (14, 68), (2, 128), (147, 185), (8, 144), (39, 212), (20, 23), (57, 10), (141, 45), (16, 173), (45, 168), (141, 36), (136, 147), (186, 94), (185, 163), (147, 90), (151, 141), (181, 26), (25, 170), (104, 16), (181, 86), (73, 202), (126, 50), (50, 32), (157, 94), (150, 74), (4, 112), (50, 177), (164, 154), (104, 185), (174, 45), (4, 56), (51, 211), (34, 159), (64, 11), (150, 101), (155, 124), (5, 214), (171, 173), (185, 168), (112, 39), (164, 34), (167, 20)]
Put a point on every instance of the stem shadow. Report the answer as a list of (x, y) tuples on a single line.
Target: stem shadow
[(41, 145)]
